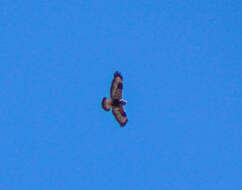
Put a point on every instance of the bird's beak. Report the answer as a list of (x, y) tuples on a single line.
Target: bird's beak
[(123, 102)]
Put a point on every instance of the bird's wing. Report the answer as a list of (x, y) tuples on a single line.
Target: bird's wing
[(117, 86), (120, 115)]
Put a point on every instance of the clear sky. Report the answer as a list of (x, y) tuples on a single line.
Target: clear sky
[(181, 64)]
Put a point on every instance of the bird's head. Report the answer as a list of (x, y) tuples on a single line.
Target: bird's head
[(123, 102)]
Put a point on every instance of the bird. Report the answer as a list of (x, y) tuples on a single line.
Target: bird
[(115, 102)]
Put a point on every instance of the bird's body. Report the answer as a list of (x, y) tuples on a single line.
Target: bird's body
[(117, 102)]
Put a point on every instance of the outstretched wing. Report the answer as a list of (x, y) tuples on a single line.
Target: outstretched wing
[(117, 86), (120, 115)]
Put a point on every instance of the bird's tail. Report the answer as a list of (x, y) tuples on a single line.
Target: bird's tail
[(106, 104)]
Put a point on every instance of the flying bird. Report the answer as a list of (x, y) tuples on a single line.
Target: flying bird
[(115, 102)]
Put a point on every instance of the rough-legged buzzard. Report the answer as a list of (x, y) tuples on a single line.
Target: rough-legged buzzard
[(116, 102)]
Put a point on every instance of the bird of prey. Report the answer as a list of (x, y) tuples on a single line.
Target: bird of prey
[(115, 102)]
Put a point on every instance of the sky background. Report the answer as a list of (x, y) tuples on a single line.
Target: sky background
[(182, 67)]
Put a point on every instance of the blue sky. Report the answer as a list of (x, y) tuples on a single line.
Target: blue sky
[(181, 63)]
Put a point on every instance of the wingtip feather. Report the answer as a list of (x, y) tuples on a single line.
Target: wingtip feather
[(118, 74), (123, 124)]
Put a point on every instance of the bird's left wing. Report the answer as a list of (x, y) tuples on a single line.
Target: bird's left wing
[(120, 115)]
